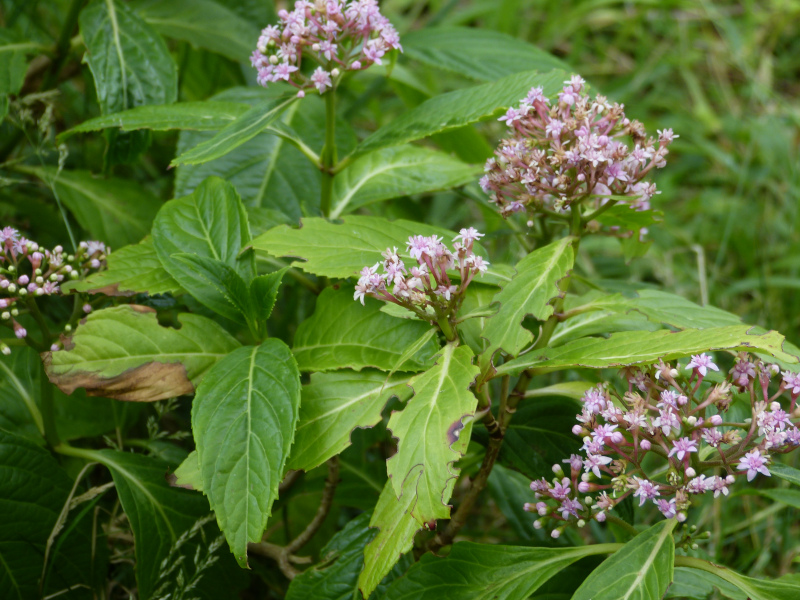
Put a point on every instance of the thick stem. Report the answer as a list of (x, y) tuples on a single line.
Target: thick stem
[(328, 156), (447, 329)]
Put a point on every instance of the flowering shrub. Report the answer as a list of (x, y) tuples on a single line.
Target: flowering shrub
[(318, 363)]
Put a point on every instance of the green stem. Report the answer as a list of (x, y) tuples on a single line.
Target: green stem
[(623, 524), (328, 156), (447, 329), (63, 44), (49, 413)]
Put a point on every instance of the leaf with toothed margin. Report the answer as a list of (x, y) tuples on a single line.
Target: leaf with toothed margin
[(528, 293), (396, 529), (644, 347), (133, 269), (123, 353), (343, 334), (433, 431), (333, 405), (243, 421)]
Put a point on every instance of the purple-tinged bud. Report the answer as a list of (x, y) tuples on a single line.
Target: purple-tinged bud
[(715, 420), (584, 487), (355, 66), (600, 517), (541, 508), (87, 308), (32, 287), (690, 472), (555, 534), (528, 507), (36, 259), (4, 283), (617, 437), (55, 348), (558, 470), (23, 280), (645, 445), (19, 331), (537, 524), (681, 516), (95, 263), (578, 430)]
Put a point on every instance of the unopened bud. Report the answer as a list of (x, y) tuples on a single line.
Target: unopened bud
[(537, 524), (12, 269), (5, 315), (715, 420), (695, 546), (774, 369), (645, 445), (674, 373), (558, 470), (577, 430), (39, 280), (600, 517), (315, 47), (690, 472), (273, 59), (584, 487), (335, 73), (67, 327), (581, 523), (23, 292), (5, 349), (14, 312), (586, 477), (691, 421), (555, 534)]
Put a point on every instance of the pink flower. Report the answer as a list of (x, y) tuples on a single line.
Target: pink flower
[(683, 447), (644, 489), (791, 382), (702, 362), (754, 463), (321, 79), (667, 508), (570, 507)]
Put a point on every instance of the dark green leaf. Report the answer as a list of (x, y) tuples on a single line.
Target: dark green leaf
[(243, 420), (264, 293), (785, 588), (786, 472), (214, 284)]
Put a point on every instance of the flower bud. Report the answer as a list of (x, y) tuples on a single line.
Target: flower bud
[(5, 349), (273, 59), (715, 420), (87, 308), (578, 430), (690, 472), (558, 470), (11, 288), (23, 280), (14, 312), (600, 517), (39, 280), (584, 487), (581, 523), (23, 292), (537, 524), (5, 315), (645, 445), (67, 327), (555, 534), (55, 348), (335, 72), (315, 47)]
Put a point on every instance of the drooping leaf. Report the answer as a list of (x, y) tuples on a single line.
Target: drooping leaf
[(638, 347), (333, 405), (199, 116), (240, 131), (123, 353), (784, 588), (33, 490), (528, 293), (396, 529), (158, 513), (342, 559), (114, 211), (342, 249), (433, 431), (394, 172), (202, 23), (130, 62), (476, 53), (243, 421), (461, 107), (642, 570), (211, 222), (343, 334), (487, 572), (132, 269)]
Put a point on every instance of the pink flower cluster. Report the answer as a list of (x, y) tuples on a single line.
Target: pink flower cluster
[(425, 289), (29, 271), (667, 440), (336, 35), (572, 151)]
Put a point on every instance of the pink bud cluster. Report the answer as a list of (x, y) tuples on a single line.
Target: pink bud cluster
[(29, 271), (336, 35), (425, 289), (570, 151), (667, 440)]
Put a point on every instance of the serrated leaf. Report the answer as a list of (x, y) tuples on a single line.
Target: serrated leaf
[(641, 347), (476, 53), (487, 572), (202, 23), (130, 62), (599, 322), (641, 570), (343, 334), (199, 116), (342, 249), (115, 211), (432, 431), (459, 108), (123, 353), (215, 285), (133, 269), (240, 131), (396, 530), (341, 561), (528, 293), (395, 172), (785, 588), (264, 292), (243, 421), (158, 513), (333, 405)]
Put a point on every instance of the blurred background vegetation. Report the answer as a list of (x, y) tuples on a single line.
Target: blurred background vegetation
[(724, 75)]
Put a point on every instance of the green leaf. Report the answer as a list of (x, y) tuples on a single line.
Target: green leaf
[(264, 292), (133, 269), (243, 129), (476, 301), (699, 585), (599, 322), (785, 588), (343, 334), (202, 23), (116, 211), (638, 347), (198, 116), (21, 413), (188, 474), (158, 513), (461, 107), (528, 293), (396, 529), (33, 490), (642, 570), (487, 572), (243, 420), (395, 172), (433, 431), (123, 353), (627, 218), (510, 491), (333, 405), (342, 249), (215, 285), (342, 558), (476, 53), (786, 472), (130, 62), (13, 50), (211, 223)]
